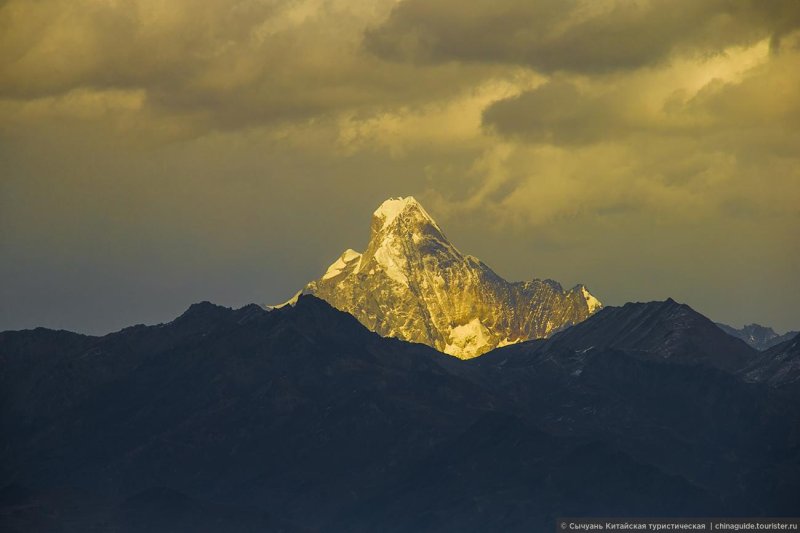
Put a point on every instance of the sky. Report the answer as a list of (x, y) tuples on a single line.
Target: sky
[(155, 154)]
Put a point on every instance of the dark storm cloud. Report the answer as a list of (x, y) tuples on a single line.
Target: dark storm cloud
[(573, 35), (557, 113)]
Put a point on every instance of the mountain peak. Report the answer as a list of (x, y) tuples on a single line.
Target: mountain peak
[(403, 236), (203, 309), (392, 208), (405, 217), (661, 329), (758, 336), (412, 283)]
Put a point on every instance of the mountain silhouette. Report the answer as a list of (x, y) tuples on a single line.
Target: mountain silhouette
[(301, 419)]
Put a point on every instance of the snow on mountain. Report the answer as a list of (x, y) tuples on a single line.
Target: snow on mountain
[(592, 302), (413, 284), (291, 302)]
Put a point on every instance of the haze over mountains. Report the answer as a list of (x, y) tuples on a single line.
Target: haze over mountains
[(413, 284)]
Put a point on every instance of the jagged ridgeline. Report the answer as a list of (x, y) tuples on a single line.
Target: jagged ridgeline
[(413, 284)]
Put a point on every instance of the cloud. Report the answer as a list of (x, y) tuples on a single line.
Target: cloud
[(558, 112), (445, 123), (609, 142), (215, 64), (745, 93), (585, 36)]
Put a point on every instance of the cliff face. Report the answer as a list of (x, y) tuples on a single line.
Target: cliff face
[(413, 284)]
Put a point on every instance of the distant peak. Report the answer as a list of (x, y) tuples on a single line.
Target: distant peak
[(393, 208), (670, 303), (202, 307), (758, 327), (201, 310)]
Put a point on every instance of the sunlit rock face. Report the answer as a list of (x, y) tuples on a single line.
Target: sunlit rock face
[(412, 284)]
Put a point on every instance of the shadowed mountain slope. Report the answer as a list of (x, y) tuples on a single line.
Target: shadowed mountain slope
[(301, 419), (658, 331), (778, 366)]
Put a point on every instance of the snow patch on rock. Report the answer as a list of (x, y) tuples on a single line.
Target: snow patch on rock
[(468, 340), (340, 264), (591, 302)]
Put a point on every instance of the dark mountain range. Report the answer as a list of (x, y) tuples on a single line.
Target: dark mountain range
[(300, 419), (649, 378), (758, 336), (778, 366), (659, 331)]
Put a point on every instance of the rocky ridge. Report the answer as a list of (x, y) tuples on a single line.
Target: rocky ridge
[(413, 284)]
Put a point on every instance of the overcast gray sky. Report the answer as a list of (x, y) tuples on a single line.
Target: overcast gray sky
[(155, 154)]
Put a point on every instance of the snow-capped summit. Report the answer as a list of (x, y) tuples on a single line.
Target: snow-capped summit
[(407, 207), (412, 283)]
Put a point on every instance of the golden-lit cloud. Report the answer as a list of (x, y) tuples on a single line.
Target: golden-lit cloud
[(663, 102), (234, 64)]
